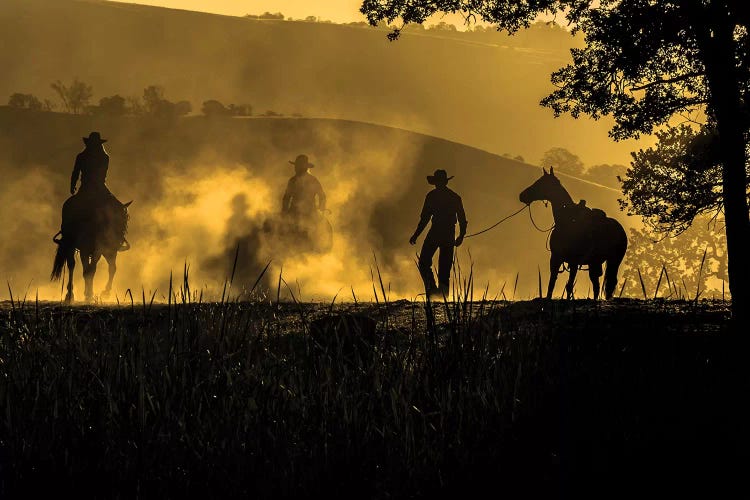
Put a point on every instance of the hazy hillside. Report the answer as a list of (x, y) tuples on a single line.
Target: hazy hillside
[(200, 185), (480, 94)]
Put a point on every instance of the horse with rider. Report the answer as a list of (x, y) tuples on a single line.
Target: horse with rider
[(94, 221), (302, 226)]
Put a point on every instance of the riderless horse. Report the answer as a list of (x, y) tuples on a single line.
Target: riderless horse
[(581, 236), (100, 234)]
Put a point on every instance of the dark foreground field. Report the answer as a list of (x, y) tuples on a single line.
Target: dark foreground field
[(261, 400)]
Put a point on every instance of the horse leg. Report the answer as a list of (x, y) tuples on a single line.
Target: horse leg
[(571, 280), (595, 272), (71, 261), (610, 276), (555, 261), (89, 269), (112, 265)]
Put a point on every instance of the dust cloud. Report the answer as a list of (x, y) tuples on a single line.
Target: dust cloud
[(204, 189), (197, 212)]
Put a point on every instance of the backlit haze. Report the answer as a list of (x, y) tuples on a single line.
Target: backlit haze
[(374, 116)]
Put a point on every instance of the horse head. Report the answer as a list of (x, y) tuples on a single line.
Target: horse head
[(545, 188)]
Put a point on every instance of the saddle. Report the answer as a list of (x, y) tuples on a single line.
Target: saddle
[(585, 215)]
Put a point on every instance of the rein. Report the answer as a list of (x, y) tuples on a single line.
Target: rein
[(535, 225)]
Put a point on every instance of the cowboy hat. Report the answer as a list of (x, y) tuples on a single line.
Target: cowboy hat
[(301, 161), (440, 176), (93, 138)]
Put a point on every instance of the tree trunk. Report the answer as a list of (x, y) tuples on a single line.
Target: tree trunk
[(723, 82)]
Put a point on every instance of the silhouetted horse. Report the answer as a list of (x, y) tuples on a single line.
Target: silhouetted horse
[(581, 236), (99, 233), (299, 235)]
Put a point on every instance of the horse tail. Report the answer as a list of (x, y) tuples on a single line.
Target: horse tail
[(613, 263), (64, 252)]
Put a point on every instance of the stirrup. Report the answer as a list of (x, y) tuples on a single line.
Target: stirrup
[(55, 237), (124, 246)]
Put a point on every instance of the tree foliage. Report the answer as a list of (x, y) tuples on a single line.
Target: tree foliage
[(644, 63), (212, 107), (156, 105), (685, 270), (675, 181), (75, 97), (563, 160), (112, 106), (609, 175), (25, 101)]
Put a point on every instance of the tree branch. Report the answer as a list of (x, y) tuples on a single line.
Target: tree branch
[(681, 78)]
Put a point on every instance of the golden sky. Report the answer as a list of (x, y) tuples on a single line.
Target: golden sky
[(339, 11), (334, 10)]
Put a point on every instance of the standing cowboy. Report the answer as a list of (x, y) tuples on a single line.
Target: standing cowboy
[(444, 208), (302, 190)]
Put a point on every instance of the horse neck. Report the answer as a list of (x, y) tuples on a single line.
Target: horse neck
[(560, 200)]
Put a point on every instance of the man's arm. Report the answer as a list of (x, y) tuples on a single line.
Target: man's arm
[(74, 176), (461, 216), (285, 201), (424, 218)]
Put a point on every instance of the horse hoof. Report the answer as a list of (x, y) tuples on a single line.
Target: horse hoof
[(105, 294), (69, 298)]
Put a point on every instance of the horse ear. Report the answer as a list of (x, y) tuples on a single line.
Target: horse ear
[(544, 170), (126, 205), (552, 171)]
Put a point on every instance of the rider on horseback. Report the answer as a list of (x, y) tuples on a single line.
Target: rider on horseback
[(93, 198), (94, 222), (302, 208), (301, 191)]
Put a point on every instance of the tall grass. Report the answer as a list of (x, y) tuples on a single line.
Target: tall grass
[(238, 399)]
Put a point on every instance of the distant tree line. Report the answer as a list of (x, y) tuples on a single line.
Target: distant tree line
[(541, 33), (278, 16), (76, 98), (564, 161)]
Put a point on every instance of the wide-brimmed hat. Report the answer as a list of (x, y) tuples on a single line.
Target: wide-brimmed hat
[(439, 177), (94, 138), (301, 161)]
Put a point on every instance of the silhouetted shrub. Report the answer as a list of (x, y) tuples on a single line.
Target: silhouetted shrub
[(240, 109), (212, 107), (25, 101), (266, 15), (112, 106), (75, 97), (182, 108)]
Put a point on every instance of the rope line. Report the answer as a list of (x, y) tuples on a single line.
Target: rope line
[(537, 227), (498, 222)]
